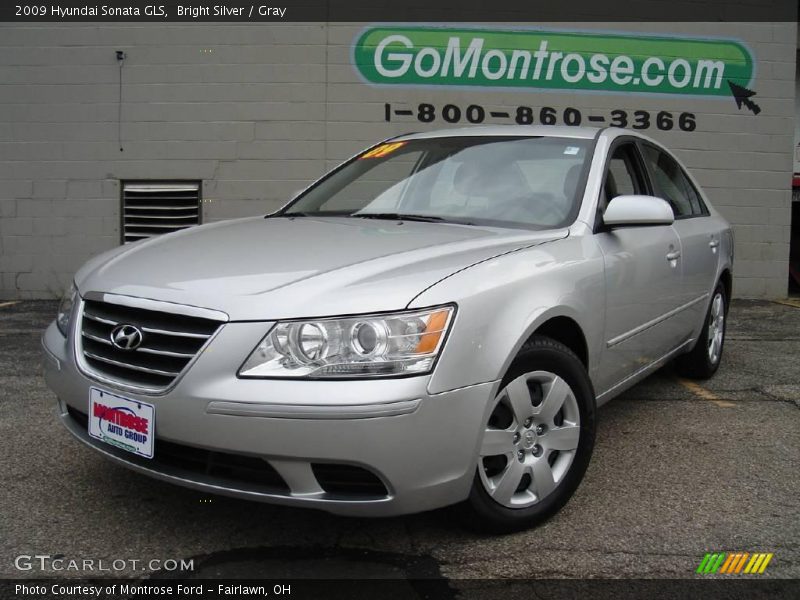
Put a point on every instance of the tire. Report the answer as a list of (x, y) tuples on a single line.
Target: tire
[(546, 376), (703, 361)]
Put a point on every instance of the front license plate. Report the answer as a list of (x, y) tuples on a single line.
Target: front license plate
[(122, 422)]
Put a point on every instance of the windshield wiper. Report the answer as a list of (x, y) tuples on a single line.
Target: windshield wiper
[(400, 217), (387, 216)]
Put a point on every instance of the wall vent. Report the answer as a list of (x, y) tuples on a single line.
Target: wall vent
[(156, 207)]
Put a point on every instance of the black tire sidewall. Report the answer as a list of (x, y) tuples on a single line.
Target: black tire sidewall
[(546, 355)]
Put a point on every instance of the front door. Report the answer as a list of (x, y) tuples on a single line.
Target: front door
[(643, 276)]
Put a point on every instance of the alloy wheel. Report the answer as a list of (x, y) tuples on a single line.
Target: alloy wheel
[(716, 328), (530, 440)]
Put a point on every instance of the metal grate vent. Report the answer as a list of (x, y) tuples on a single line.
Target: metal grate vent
[(154, 208)]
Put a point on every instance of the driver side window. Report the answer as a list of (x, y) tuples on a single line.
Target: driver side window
[(623, 176)]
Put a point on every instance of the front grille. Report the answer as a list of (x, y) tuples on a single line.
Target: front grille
[(169, 343), (233, 468)]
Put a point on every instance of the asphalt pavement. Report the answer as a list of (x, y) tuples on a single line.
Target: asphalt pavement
[(679, 469)]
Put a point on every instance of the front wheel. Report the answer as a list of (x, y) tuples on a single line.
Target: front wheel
[(537, 442)]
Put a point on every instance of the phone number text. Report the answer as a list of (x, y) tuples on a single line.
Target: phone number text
[(546, 115)]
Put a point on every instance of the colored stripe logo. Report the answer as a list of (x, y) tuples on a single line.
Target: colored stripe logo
[(734, 563)]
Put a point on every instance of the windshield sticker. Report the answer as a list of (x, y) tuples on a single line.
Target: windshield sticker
[(572, 150), (382, 150)]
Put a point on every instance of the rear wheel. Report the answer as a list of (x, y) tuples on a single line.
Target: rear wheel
[(703, 361), (537, 442)]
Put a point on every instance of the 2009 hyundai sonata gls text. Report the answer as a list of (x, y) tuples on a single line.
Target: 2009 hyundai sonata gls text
[(433, 322)]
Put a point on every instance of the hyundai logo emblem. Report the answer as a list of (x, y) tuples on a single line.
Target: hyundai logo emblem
[(126, 337)]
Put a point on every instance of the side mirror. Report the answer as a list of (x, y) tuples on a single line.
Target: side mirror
[(630, 211)]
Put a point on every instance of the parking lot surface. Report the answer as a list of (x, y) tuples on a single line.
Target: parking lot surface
[(680, 468)]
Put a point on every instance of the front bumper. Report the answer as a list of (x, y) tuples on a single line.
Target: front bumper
[(422, 447)]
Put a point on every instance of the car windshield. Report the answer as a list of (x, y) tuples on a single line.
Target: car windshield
[(497, 181)]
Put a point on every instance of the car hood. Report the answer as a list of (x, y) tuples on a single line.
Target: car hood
[(276, 268)]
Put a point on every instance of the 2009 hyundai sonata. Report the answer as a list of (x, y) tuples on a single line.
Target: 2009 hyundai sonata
[(433, 322)]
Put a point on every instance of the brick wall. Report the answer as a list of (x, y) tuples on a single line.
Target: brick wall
[(257, 112)]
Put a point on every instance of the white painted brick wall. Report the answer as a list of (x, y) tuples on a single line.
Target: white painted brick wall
[(257, 112)]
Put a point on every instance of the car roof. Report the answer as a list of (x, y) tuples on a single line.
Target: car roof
[(586, 133)]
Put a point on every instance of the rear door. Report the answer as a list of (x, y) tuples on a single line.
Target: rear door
[(699, 242), (643, 277)]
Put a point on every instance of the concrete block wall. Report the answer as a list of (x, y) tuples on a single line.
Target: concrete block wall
[(257, 112)]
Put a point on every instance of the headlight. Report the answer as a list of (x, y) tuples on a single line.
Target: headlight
[(65, 309), (404, 343)]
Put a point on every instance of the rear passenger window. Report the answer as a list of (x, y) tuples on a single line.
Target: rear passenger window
[(672, 184), (698, 207)]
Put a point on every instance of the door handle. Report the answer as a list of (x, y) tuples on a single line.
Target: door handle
[(674, 255), (714, 243)]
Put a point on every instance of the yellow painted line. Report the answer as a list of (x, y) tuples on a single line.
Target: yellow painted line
[(4, 304), (701, 392), (793, 302)]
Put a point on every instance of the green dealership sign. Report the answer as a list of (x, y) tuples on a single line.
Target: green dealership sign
[(536, 59)]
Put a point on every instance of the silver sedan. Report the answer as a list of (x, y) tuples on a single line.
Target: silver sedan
[(434, 322)]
